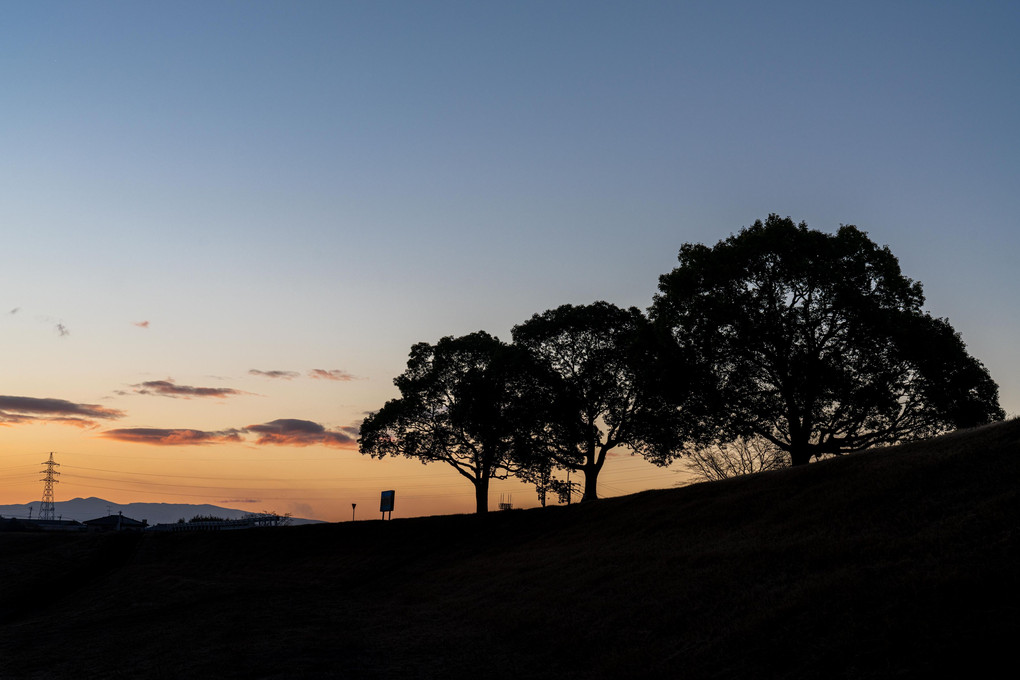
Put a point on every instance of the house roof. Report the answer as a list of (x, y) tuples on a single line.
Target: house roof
[(113, 521)]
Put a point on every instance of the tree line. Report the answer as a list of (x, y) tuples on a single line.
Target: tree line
[(779, 344)]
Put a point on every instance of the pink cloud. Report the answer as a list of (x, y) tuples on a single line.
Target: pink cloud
[(171, 437), (168, 388), (141, 324), (295, 432), (279, 375), (336, 374), (27, 410)]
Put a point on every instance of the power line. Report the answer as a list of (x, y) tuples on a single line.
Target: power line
[(310, 479), (17, 467), (303, 497)]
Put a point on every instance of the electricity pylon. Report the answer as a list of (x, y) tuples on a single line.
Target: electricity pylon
[(47, 511)]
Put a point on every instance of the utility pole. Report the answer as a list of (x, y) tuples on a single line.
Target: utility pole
[(48, 510)]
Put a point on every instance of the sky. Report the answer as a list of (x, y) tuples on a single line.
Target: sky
[(224, 224)]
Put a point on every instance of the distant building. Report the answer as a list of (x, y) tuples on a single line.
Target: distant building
[(14, 524), (251, 521), (22, 524), (116, 522)]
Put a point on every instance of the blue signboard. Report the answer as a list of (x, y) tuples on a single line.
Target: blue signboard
[(386, 502)]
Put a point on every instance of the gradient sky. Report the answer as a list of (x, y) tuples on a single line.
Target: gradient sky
[(235, 218)]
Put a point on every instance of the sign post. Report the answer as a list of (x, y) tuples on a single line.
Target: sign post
[(386, 503)]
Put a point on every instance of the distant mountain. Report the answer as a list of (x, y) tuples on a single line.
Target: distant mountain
[(82, 509)]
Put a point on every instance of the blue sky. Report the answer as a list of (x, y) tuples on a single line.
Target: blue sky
[(300, 185)]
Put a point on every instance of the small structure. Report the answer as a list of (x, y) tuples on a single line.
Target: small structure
[(22, 524), (249, 521), (386, 501), (116, 522)]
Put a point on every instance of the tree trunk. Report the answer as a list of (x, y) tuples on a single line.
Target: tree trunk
[(800, 455), (591, 480), (482, 496)]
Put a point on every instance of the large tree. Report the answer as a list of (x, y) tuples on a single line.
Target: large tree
[(817, 343), (460, 404), (594, 391)]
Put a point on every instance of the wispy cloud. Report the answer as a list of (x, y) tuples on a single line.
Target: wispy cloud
[(62, 330), (336, 374), (278, 375), (15, 310), (168, 388), (27, 410), (241, 500), (295, 432), (171, 437), (141, 324)]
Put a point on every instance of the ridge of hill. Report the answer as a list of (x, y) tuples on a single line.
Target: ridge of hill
[(82, 509), (899, 562)]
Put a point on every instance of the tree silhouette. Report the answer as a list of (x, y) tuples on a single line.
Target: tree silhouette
[(817, 343), (743, 456), (594, 387), (461, 403)]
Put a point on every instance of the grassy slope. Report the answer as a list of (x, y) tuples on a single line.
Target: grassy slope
[(890, 564)]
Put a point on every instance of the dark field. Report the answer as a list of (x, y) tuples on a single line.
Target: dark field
[(894, 564)]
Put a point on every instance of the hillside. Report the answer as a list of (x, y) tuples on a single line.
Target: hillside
[(894, 563)]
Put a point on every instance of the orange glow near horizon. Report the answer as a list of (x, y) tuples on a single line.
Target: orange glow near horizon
[(313, 482)]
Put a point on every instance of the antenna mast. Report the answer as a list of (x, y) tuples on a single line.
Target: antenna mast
[(48, 510)]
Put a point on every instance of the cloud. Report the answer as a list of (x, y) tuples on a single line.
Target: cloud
[(171, 437), (282, 432), (168, 388), (280, 375), (141, 324), (27, 410), (336, 374), (294, 432), (241, 500), (62, 330), (15, 310), (315, 373)]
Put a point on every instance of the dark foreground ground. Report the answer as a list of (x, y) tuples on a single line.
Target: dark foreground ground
[(894, 564)]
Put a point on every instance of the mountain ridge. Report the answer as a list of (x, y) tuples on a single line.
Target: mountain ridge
[(83, 509)]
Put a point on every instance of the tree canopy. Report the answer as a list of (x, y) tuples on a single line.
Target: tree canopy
[(461, 403), (816, 343), (595, 362)]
